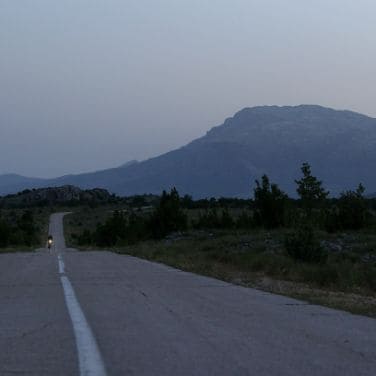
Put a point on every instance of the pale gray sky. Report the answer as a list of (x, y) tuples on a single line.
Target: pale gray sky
[(89, 84)]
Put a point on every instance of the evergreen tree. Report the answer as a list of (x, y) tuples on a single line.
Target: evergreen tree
[(310, 190), (168, 216), (269, 203), (109, 233), (352, 209)]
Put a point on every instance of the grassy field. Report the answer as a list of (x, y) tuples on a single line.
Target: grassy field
[(257, 258), (85, 218)]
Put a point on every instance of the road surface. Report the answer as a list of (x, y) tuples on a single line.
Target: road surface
[(97, 313)]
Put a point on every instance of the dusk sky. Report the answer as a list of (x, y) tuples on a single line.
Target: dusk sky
[(87, 85)]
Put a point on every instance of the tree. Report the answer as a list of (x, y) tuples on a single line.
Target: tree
[(27, 227), (136, 229), (310, 190), (109, 233), (187, 202), (168, 216), (5, 233), (303, 245), (352, 213), (269, 203)]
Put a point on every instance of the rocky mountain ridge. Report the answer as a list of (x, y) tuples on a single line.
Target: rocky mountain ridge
[(272, 140)]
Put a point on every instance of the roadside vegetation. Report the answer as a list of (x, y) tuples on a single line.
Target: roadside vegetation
[(23, 229), (24, 217), (315, 247)]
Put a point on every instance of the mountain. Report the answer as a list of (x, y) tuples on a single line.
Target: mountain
[(339, 145), (129, 163), (10, 183)]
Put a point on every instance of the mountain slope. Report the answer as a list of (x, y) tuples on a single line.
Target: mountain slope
[(340, 146), (11, 183)]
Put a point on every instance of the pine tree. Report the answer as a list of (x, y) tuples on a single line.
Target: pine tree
[(168, 216), (310, 190), (270, 204)]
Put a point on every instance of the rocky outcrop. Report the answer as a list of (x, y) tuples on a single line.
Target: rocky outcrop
[(67, 194)]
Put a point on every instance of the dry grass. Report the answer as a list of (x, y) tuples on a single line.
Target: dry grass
[(257, 259)]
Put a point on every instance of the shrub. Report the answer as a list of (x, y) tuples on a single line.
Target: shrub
[(350, 212), (27, 227), (269, 203), (5, 233), (244, 221), (168, 216), (107, 234), (136, 229), (303, 245), (211, 219), (85, 238), (352, 209)]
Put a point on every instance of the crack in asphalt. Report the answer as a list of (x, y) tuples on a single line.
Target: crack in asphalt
[(142, 293), (44, 326), (296, 304), (29, 332)]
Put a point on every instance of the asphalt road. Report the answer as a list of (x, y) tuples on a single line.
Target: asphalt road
[(69, 313)]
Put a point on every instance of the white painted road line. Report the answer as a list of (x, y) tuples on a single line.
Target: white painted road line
[(61, 265), (89, 357)]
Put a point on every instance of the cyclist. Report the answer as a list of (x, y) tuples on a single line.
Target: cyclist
[(50, 240)]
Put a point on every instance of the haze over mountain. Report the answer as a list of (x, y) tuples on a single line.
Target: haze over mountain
[(339, 145), (11, 183)]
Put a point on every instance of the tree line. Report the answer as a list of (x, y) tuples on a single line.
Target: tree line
[(18, 229), (270, 208)]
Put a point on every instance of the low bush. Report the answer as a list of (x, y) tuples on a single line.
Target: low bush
[(303, 245), (19, 229)]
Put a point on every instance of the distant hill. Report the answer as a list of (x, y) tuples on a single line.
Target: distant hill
[(129, 163), (67, 195), (339, 145), (11, 183)]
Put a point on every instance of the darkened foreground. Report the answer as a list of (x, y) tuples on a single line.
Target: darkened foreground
[(24, 216), (150, 319), (272, 241), (303, 247)]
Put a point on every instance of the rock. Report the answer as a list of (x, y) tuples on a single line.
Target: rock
[(332, 247), (369, 258)]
